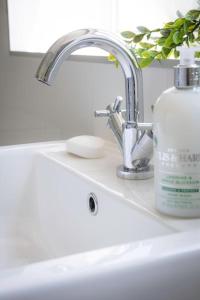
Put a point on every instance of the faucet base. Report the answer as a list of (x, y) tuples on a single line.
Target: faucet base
[(126, 173)]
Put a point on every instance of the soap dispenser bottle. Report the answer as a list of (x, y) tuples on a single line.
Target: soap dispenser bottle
[(177, 141)]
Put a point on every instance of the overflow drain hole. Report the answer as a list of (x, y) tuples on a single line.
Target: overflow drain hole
[(93, 204)]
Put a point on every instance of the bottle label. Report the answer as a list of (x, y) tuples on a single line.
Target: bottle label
[(178, 178)]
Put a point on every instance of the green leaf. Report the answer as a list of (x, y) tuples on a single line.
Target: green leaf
[(191, 28), (191, 37), (143, 29), (197, 54), (165, 52), (156, 30), (145, 62), (192, 15), (138, 38), (169, 41), (159, 56), (179, 22), (186, 26), (161, 41), (177, 37), (176, 53), (169, 25), (112, 58), (149, 53), (116, 63), (128, 34), (147, 45)]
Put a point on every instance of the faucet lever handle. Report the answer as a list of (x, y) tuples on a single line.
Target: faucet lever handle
[(102, 113), (111, 108), (117, 104)]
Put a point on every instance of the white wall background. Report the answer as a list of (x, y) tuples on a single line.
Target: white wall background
[(31, 112)]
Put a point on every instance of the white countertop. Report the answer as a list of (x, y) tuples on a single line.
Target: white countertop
[(102, 171)]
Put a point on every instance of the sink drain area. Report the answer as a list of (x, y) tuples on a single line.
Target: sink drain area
[(93, 204)]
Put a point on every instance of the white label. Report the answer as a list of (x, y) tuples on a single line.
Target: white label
[(178, 178)]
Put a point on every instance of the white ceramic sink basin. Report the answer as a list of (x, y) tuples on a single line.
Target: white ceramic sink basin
[(70, 229)]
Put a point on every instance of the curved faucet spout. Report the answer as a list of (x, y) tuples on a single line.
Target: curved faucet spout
[(67, 44)]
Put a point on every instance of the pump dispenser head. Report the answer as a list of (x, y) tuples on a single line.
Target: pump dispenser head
[(187, 73)]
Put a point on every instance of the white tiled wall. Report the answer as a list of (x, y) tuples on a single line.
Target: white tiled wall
[(30, 111)]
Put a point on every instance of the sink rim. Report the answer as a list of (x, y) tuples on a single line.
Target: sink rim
[(110, 259)]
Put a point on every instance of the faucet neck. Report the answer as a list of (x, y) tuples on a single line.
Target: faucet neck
[(73, 41)]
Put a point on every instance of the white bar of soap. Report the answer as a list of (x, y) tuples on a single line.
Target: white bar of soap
[(86, 146)]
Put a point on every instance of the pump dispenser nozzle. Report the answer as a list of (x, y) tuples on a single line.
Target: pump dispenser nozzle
[(187, 73), (187, 55)]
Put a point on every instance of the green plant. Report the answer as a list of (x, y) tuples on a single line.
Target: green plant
[(161, 43)]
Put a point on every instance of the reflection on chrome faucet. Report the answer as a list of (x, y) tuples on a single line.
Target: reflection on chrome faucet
[(133, 136)]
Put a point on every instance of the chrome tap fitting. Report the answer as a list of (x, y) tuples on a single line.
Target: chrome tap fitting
[(132, 134)]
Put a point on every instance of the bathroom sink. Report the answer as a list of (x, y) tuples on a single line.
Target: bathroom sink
[(70, 229)]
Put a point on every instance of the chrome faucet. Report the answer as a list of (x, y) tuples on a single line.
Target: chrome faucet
[(133, 136)]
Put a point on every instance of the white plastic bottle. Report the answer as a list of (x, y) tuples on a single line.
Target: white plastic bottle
[(177, 141)]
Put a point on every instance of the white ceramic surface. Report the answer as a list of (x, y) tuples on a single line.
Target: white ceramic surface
[(52, 247)]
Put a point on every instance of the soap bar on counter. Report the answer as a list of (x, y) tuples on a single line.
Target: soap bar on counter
[(86, 146)]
